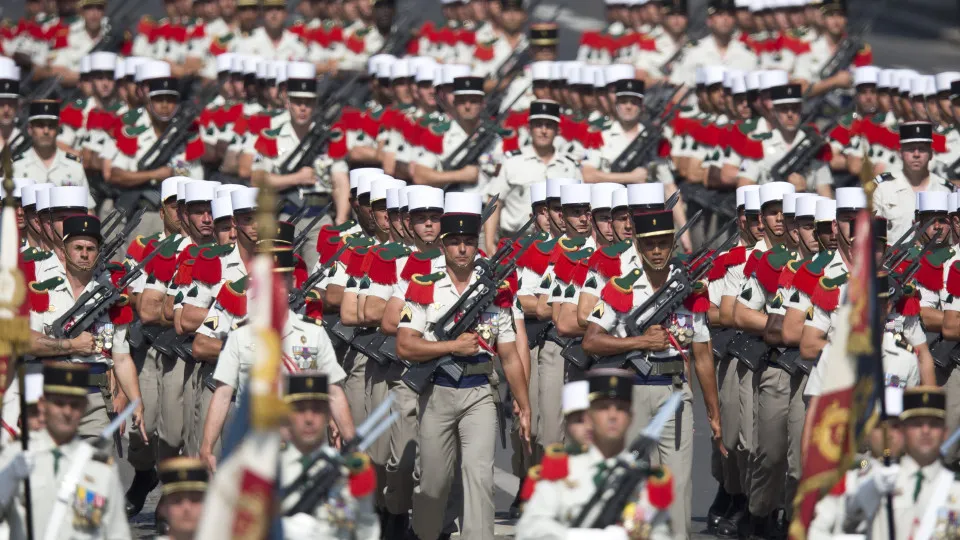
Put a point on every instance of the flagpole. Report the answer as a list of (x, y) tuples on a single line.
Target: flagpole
[(868, 188), (14, 330)]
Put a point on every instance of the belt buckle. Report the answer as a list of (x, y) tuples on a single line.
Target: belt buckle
[(677, 380)]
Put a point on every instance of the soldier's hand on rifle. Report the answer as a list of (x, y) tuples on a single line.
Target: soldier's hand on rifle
[(470, 173), (84, 344), (655, 339), (717, 435), (798, 182), (466, 344), (162, 173), (640, 174), (306, 176), (843, 79), (137, 422)]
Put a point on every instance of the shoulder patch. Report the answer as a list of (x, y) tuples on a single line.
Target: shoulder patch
[(72, 157)]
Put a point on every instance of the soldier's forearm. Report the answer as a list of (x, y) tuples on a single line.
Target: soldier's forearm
[(206, 348), (373, 311), (932, 318), (749, 320), (216, 415), (412, 347), (126, 373), (812, 341), (513, 370), (928, 372), (792, 329), (191, 317), (340, 410), (150, 307), (707, 376), (43, 345)]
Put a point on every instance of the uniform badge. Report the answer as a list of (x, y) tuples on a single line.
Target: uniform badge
[(406, 315), (598, 311)]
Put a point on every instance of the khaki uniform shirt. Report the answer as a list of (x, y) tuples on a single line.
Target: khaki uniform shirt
[(501, 51), (706, 53), (520, 170), (287, 142), (452, 139), (97, 508), (79, 44), (615, 141), (258, 43), (146, 139), (896, 200), (65, 170), (809, 64), (556, 504), (304, 343), (341, 516), (774, 149), (372, 42)]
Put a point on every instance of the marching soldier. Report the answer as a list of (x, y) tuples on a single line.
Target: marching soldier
[(272, 40), (43, 161), (101, 348), (349, 512), (719, 48), (894, 197), (669, 349), (491, 53), (525, 167), (563, 485), (821, 50), (36, 236), (139, 134), (306, 347), (618, 136), (184, 482), (9, 102), (76, 120), (467, 406), (759, 163), (72, 42), (96, 501)]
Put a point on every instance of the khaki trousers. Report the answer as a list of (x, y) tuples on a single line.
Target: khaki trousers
[(143, 457), (202, 398), (403, 446), (354, 386), (550, 394), (675, 449), (745, 437), (520, 460), (95, 419), (177, 403), (376, 377), (456, 421), (778, 423), (729, 390), (950, 380)]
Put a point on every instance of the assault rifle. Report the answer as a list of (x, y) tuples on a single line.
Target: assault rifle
[(161, 152), (896, 253), (700, 263), (301, 238), (96, 301), (313, 486), (803, 153), (111, 222), (111, 246), (462, 316), (851, 45), (693, 35), (644, 146), (619, 483), (298, 297), (476, 144)]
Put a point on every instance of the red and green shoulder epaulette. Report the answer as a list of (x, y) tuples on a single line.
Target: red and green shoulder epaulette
[(420, 289), (419, 262), (507, 291), (162, 266), (266, 143), (72, 115), (128, 139), (572, 266), (555, 463), (565, 245), (537, 257), (208, 266), (383, 265), (827, 294), (121, 312), (698, 301), (618, 292), (930, 275), (138, 247), (38, 294), (769, 267), (908, 304), (809, 272), (233, 297), (606, 261), (660, 488)]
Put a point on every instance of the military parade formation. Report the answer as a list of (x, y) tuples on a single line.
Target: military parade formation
[(303, 267)]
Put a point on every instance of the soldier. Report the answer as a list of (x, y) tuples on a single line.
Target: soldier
[(494, 49), (43, 161), (223, 225), (76, 122), (758, 165), (314, 184), (467, 406), (606, 336), (618, 136), (348, 513), (34, 233), (57, 457), (306, 347), (181, 505), (576, 404), (894, 197), (272, 40), (140, 133), (101, 348), (652, 56), (9, 102), (524, 167), (809, 65), (719, 48), (566, 484), (71, 43)]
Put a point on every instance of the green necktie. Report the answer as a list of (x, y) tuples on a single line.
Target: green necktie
[(599, 477), (57, 454), (918, 487)]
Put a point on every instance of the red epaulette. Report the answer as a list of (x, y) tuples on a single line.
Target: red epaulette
[(606, 261), (39, 294), (953, 279), (300, 271), (121, 312), (233, 297), (698, 301), (939, 143), (795, 45), (420, 289), (660, 489), (162, 266), (116, 271), (841, 134), (313, 305), (555, 463), (420, 262), (267, 146), (530, 483), (184, 274), (908, 304), (751, 264), (127, 144), (537, 257), (484, 52), (507, 291), (358, 258), (618, 292), (355, 43), (840, 488), (864, 56), (337, 146), (769, 268), (383, 264), (195, 147), (72, 116), (566, 267), (207, 268), (827, 294), (930, 274), (363, 477), (138, 247), (719, 268)]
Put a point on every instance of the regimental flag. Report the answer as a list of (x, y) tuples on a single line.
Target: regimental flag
[(246, 486), (851, 384), (14, 309)]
